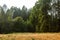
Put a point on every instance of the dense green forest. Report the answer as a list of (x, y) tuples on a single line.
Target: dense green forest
[(43, 17)]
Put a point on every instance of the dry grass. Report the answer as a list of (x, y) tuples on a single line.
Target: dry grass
[(30, 36)]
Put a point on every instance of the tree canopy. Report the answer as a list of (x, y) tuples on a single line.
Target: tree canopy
[(44, 16)]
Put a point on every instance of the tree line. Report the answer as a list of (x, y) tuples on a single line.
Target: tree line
[(43, 17)]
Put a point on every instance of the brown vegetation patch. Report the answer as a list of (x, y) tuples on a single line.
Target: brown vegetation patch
[(30, 36)]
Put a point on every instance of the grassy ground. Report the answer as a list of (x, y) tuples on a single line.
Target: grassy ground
[(30, 36)]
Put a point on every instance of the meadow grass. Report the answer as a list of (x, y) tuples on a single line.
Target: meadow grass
[(30, 36)]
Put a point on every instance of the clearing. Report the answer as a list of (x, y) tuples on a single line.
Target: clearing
[(30, 36)]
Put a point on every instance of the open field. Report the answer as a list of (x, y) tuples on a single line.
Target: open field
[(30, 36)]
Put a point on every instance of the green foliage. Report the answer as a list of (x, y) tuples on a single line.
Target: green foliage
[(39, 16), (43, 17), (18, 24)]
